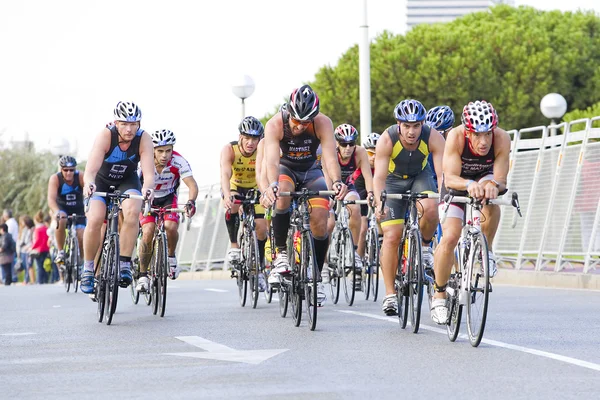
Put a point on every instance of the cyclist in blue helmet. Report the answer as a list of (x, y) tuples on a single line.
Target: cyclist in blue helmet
[(440, 118), (401, 166)]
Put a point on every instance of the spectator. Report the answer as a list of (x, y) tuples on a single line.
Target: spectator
[(55, 276), (13, 229), (25, 240), (7, 254), (39, 247)]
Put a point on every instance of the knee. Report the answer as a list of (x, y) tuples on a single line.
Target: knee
[(431, 215), (62, 224), (449, 240), (391, 237)]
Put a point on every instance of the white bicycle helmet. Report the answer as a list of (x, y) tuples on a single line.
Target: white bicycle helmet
[(163, 138), (126, 111)]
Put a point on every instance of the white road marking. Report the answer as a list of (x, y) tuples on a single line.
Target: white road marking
[(558, 357), (18, 334), (216, 351), (56, 306), (217, 290)]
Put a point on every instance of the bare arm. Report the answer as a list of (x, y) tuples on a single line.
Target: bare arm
[(227, 158), (147, 161), (436, 146), (329, 159), (273, 135), (261, 166), (52, 190), (190, 182), (382, 161), (451, 163), (94, 162), (365, 168)]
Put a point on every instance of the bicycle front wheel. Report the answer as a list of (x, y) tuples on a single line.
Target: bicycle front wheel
[(372, 252), (348, 263), (415, 280), (310, 275), (100, 285), (455, 308), (75, 262), (112, 283), (253, 266), (283, 301), (478, 280), (135, 272), (163, 273)]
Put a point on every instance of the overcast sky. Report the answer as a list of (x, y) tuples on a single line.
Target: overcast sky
[(66, 63)]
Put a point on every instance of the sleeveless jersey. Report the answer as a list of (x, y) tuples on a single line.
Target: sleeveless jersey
[(349, 168), (243, 168), (299, 153), (474, 165), (120, 165), (404, 163), (70, 197)]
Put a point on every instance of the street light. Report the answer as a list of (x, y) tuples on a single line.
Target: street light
[(553, 106), (243, 88)]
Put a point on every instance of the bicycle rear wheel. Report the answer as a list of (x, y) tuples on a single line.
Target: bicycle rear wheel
[(348, 263), (373, 259), (253, 265), (332, 264), (310, 277), (67, 273), (283, 301), (478, 279), (100, 285), (455, 308), (415, 280), (112, 283), (163, 273), (402, 288), (75, 262), (135, 272)]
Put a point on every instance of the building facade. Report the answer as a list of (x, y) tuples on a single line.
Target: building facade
[(434, 11)]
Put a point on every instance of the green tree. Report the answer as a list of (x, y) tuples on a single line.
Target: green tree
[(509, 56), (590, 112), (24, 184)]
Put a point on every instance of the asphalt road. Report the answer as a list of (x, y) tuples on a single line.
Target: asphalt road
[(538, 344)]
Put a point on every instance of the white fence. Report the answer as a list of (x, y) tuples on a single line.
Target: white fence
[(556, 176)]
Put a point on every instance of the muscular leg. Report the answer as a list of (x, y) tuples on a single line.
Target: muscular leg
[(129, 230), (92, 233), (318, 226), (429, 219), (145, 250), (490, 225), (61, 231), (444, 253), (392, 234), (172, 236), (362, 236)]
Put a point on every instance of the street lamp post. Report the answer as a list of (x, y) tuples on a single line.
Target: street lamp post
[(553, 106), (243, 88)]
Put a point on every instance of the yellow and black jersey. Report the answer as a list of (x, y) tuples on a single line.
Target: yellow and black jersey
[(404, 163), (243, 168)]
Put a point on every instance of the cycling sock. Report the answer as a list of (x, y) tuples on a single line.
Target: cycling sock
[(88, 266), (281, 222), (321, 245), (143, 274), (124, 262), (232, 221), (261, 250)]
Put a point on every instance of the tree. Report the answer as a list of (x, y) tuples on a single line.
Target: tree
[(511, 57), (590, 112), (24, 184)]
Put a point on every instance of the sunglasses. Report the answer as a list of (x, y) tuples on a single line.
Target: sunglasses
[(371, 153), (68, 170), (303, 123), (351, 144)]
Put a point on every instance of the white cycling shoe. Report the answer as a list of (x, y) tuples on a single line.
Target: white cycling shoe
[(143, 284), (439, 311)]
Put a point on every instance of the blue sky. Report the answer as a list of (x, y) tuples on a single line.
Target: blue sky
[(66, 63)]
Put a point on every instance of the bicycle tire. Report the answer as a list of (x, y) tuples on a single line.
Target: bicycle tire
[(148, 295), (155, 290), (334, 275), (253, 268), (163, 273), (135, 272), (374, 272), (415, 280), (401, 290), (67, 273), (310, 274), (113, 283), (99, 287), (268, 293), (348, 266), (242, 274), (296, 301), (455, 309), (478, 280), (75, 262), (283, 302)]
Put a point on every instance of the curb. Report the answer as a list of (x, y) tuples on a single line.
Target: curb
[(545, 279)]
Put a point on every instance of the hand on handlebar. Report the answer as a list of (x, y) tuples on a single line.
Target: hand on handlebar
[(89, 190), (341, 190), (190, 208), (269, 196)]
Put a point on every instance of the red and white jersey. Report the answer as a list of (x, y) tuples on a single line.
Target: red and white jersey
[(168, 180)]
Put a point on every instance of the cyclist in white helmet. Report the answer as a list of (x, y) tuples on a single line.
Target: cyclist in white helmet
[(476, 159), (170, 169), (113, 161)]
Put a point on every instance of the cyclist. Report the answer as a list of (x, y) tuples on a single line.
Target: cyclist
[(476, 159), (291, 141), (361, 188), (170, 169), (113, 162), (65, 197), (238, 176), (440, 118), (401, 166), (351, 159)]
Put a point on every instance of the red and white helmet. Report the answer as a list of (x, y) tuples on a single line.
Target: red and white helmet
[(479, 116)]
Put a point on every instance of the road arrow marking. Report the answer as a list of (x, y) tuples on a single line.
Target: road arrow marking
[(216, 351)]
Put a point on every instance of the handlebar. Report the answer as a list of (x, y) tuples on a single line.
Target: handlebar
[(405, 196), (451, 198), (308, 193)]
